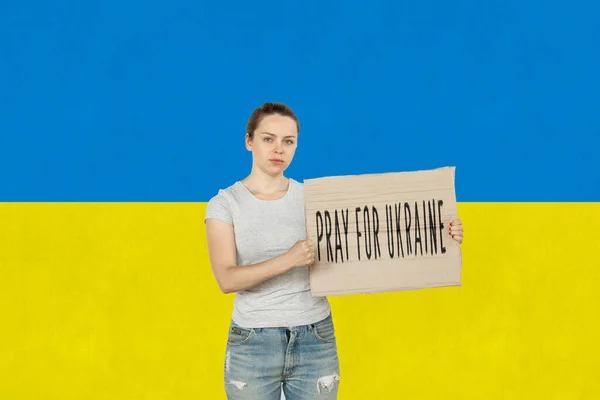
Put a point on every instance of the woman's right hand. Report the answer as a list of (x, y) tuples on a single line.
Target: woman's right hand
[(302, 254)]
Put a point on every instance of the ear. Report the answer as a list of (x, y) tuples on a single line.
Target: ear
[(248, 142)]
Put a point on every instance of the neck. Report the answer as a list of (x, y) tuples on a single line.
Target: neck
[(263, 182)]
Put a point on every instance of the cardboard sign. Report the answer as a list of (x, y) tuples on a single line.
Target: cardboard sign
[(382, 232)]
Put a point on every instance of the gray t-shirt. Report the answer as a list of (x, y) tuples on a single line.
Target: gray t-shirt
[(265, 229)]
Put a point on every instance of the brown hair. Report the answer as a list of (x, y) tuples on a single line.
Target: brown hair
[(266, 109)]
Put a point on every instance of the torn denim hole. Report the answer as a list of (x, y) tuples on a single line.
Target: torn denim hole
[(327, 382), (238, 384)]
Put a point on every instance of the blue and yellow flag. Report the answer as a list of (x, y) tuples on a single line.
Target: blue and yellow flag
[(119, 120)]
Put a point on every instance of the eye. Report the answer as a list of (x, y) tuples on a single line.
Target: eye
[(289, 141), (267, 139)]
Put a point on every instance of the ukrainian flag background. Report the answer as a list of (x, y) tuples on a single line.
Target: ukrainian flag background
[(120, 119)]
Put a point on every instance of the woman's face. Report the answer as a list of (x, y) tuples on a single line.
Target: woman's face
[(274, 144)]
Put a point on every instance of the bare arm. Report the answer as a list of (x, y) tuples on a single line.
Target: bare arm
[(230, 277)]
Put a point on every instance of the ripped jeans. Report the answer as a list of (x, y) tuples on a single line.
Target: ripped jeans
[(301, 360)]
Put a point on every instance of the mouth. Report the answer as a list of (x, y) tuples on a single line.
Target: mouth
[(276, 161)]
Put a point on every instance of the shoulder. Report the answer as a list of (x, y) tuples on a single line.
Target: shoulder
[(227, 195), (221, 205), (296, 183), (297, 188)]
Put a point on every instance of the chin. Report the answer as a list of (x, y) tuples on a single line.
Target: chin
[(278, 168), (275, 169)]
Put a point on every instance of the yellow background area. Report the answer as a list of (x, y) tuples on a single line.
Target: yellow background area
[(117, 301)]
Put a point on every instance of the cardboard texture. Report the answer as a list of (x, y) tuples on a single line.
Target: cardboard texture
[(382, 232)]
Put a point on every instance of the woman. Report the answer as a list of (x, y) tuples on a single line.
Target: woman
[(280, 335)]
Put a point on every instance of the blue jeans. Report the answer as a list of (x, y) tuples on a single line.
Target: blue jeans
[(302, 360)]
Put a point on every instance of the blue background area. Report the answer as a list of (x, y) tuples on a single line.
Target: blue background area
[(134, 100)]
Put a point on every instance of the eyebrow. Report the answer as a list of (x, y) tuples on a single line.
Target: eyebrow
[(272, 134)]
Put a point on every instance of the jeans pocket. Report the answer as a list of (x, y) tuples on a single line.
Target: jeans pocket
[(324, 330), (238, 335)]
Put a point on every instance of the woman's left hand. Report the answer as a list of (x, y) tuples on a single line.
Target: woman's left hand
[(456, 230)]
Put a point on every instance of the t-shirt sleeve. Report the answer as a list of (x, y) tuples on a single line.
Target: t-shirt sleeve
[(218, 208)]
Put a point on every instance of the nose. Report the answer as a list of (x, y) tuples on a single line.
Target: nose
[(278, 148)]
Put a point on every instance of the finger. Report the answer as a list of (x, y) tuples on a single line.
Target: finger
[(457, 238), (456, 229), (456, 222)]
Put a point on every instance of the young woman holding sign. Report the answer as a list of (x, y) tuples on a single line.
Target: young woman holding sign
[(280, 335)]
